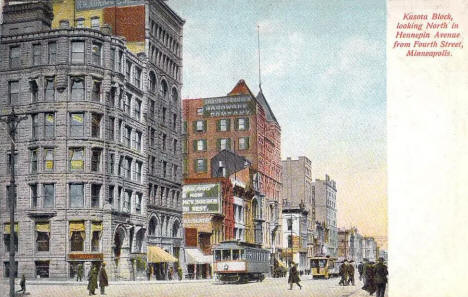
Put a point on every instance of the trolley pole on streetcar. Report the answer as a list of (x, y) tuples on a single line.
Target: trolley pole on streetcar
[(12, 120)]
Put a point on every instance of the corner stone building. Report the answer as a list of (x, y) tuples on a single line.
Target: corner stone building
[(97, 159)]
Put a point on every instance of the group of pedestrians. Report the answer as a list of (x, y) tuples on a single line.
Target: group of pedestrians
[(347, 273), (96, 274), (374, 277)]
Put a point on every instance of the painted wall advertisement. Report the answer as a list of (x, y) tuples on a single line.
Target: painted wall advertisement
[(201, 198)]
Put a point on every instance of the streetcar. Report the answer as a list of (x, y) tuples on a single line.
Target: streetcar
[(325, 267), (240, 262)]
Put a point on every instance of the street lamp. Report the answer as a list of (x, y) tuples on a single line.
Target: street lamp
[(12, 120)]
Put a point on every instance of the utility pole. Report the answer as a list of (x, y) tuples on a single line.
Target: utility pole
[(12, 120)]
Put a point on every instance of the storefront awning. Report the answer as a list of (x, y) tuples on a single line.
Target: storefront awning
[(43, 227), (155, 254), (195, 256)]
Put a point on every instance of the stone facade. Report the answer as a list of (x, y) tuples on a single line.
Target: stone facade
[(98, 157), (324, 192), (295, 236)]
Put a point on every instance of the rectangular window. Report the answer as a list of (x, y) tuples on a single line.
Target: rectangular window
[(164, 168), (243, 124), (97, 48), (96, 94), (153, 165), (111, 196), (34, 198), (42, 236), (77, 89), (95, 196), (49, 90), (128, 168), (15, 57), (96, 125), (152, 137), (110, 128), (224, 144), (138, 199), (52, 50), (200, 126), (77, 124), (48, 159), (127, 133), (33, 165), (151, 109), (80, 23), (112, 59), (111, 166), (200, 165), (243, 143), (35, 126), (76, 156), (96, 160), (164, 111), (49, 195), (119, 62), (36, 54), (199, 111), (34, 88), (126, 201), (137, 77), (137, 109), (96, 230), (200, 145), (174, 146), (138, 168), (174, 171), (174, 121), (95, 23), (77, 236), (76, 194), (224, 125), (137, 140), (6, 236), (15, 161), (78, 52), (127, 104), (13, 92), (164, 139), (42, 269), (49, 125), (128, 69)]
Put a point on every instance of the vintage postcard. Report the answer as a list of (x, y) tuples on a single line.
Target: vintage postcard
[(231, 148)]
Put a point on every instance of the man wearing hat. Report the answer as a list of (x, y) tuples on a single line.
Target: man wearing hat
[(103, 281), (344, 273), (351, 272), (294, 276), (381, 273), (92, 280)]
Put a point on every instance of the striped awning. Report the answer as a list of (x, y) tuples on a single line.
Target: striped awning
[(155, 254), (195, 256)]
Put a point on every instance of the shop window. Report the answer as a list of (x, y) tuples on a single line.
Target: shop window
[(95, 196), (76, 156), (77, 236), (96, 231), (77, 124), (49, 125), (42, 236), (49, 195), (77, 89)]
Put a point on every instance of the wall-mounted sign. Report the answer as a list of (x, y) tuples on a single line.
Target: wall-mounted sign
[(228, 106), (89, 257), (201, 198), (95, 4)]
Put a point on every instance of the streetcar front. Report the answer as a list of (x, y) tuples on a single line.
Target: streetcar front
[(230, 264)]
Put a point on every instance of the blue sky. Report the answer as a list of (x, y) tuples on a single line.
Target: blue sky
[(324, 75)]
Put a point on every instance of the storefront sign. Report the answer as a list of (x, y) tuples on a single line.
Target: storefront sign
[(201, 198), (89, 257), (228, 106), (95, 4)]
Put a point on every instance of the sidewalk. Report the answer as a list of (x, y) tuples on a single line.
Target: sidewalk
[(51, 282)]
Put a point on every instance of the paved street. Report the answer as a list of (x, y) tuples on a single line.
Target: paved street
[(269, 287)]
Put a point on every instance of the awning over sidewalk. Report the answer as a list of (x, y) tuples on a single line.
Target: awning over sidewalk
[(281, 263), (155, 254), (195, 256)]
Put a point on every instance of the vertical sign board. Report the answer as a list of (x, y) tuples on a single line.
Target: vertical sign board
[(201, 198)]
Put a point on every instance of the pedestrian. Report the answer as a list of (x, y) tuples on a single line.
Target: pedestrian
[(22, 284), (294, 276), (148, 271), (343, 273), (364, 272), (103, 280), (79, 274), (92, 280), (179, 273), (171, 273), (351, 272), (360, 267), (370, 278), (381, 280)]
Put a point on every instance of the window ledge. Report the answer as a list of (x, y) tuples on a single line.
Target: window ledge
[(41, 213)]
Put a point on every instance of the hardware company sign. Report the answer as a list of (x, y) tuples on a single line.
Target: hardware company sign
[(201, 198), (95, 4)]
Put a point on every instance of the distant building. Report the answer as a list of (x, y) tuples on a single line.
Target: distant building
[(243, 123), (295, 236), (297, 190), (325, 211), (370, 249)]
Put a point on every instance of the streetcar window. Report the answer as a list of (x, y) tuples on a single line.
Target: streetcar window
[(226, 254), (322, 263), (218, 255), (314, 263), (242, 254), (235, 254)]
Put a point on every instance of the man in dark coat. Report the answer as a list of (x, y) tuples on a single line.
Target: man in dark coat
[(351, 272), (79, 274), (103, 281), (92, 280), (343, 273), (370, 278), (294, 276), (23, 284), (364, 271), (360, 270), (381, 273)]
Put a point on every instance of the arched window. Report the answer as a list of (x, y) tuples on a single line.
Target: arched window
[(174, 95), (175, 229), (152, 226), (139, 240), (152, 81), (163, 88)]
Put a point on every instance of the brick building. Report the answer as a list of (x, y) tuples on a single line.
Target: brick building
[(98, 162), (245, 124)]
